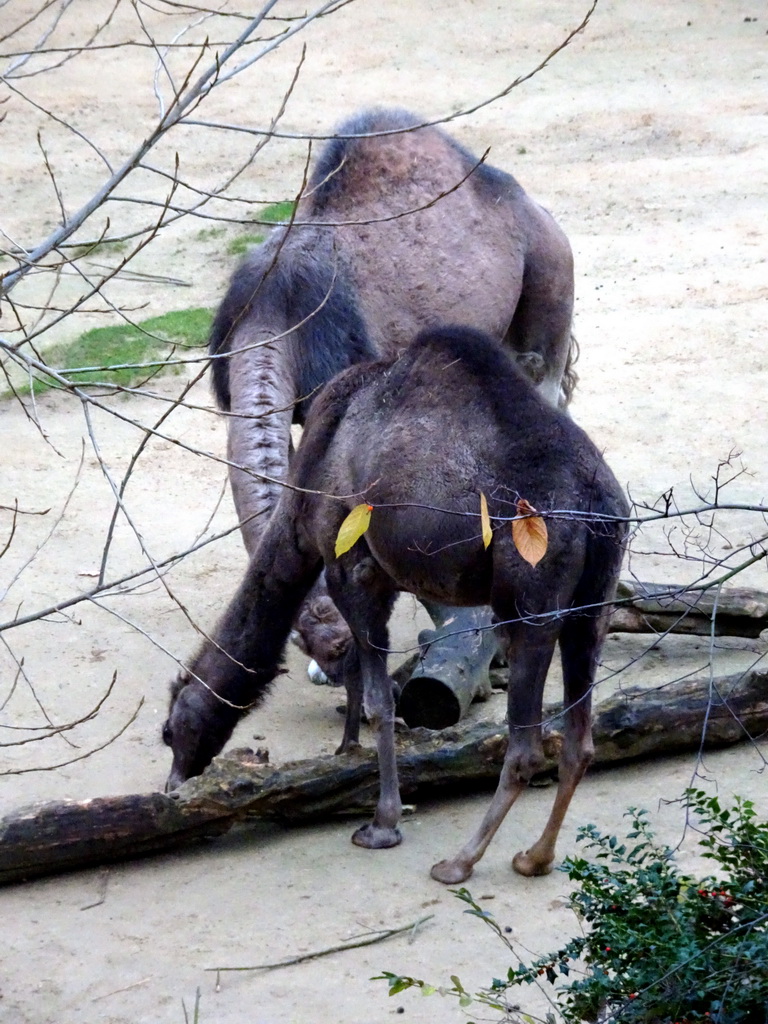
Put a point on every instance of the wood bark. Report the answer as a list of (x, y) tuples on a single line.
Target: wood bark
[(658, 608), (53, 837), (451, 671)]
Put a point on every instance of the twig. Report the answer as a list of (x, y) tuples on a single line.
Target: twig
[(81, 757), (125, 988), (47, 731), (379, 936)]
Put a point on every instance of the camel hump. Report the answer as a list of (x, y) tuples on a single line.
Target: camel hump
[(381, 156), (480, 354), (462, 381), (474, 362)]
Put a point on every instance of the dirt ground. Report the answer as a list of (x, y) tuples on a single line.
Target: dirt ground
[(648, 140)]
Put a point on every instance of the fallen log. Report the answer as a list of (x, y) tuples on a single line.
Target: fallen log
[(452, 668), (661, 608), (53, 837)]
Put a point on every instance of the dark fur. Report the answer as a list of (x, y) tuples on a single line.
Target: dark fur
[(420, 438), (318, 297)]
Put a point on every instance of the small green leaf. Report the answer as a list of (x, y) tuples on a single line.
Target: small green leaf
[(400, 985), (353, 528), (485, 521)]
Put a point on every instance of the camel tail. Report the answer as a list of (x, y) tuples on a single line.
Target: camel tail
[(570, 377), (605, 549)]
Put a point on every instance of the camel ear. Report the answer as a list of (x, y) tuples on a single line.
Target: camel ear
[(324, 609), (183, 676), (317, 611), (339, 647)]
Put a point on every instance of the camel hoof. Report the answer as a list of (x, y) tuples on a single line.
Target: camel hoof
[(450, 872), (524, 864), (374, 837), (316, 675), (348, 748)]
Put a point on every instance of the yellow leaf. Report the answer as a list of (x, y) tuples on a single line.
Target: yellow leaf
[(353, 528), (485, 521), (529, 534)]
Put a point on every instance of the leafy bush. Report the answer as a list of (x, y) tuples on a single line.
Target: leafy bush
[(661, 947)]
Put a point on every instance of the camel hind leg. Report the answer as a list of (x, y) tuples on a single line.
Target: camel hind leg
[(529, 649), (540, 332), (580, 642)]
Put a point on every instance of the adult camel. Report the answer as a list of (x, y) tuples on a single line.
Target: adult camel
[(398, 230)]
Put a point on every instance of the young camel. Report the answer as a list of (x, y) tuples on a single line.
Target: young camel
[(420, 439)]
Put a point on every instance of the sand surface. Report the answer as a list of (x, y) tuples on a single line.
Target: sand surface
[(648, 140)]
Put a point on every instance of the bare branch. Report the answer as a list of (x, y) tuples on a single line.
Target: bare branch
[(80, 757)]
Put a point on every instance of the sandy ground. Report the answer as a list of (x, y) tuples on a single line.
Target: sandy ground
[(648, 140)]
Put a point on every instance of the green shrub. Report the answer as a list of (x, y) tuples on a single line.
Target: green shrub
[(662, 947)]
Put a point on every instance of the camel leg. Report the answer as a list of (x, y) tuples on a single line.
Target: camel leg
[(365, 596), (580, 642), (353, 681), (529, 652), (379, 703)]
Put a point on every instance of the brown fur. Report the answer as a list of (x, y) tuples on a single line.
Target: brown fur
[(354, 279)]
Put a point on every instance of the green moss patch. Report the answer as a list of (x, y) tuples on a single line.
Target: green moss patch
[(90, 358), (239, 246)]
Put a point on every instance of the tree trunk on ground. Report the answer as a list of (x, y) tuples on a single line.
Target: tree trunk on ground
[(451, 671), (664, 607), (53, 837)]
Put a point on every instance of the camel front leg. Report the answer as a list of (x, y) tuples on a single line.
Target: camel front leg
[(379, 702), (353, 682), (364, 595)]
